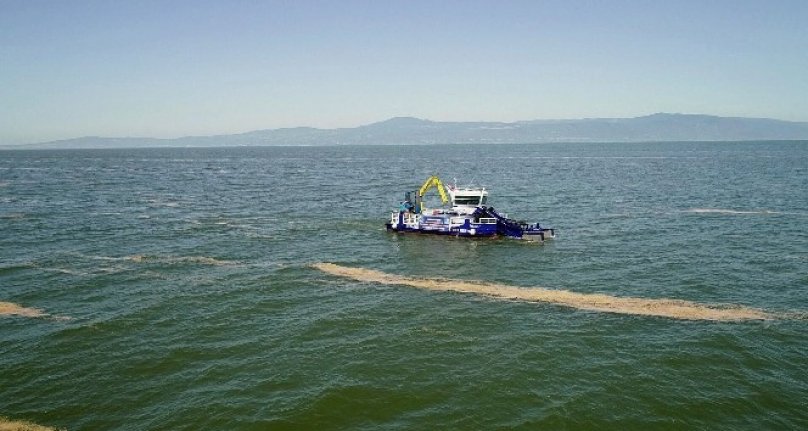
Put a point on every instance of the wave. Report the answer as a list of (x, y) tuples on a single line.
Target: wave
[(670, 308), (728, 211), (63, 271), (14, 266), (203, 260), (144, 258)]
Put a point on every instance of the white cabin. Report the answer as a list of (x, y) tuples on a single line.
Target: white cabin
[(466, 200)]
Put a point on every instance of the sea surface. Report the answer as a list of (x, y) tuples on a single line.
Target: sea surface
[(179, 289)]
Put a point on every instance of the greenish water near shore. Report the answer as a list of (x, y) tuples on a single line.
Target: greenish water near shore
[(180, 293)]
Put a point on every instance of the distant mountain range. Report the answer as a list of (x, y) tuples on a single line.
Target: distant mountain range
[(406, 130)]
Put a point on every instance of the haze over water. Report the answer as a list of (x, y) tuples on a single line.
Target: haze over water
[(180, 289)]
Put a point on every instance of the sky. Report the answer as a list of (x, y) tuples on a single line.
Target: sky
[(140, 68)]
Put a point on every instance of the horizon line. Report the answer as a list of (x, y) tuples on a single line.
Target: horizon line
[(192, 136)]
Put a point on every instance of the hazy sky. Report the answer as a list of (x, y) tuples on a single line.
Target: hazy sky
[(173, 68)]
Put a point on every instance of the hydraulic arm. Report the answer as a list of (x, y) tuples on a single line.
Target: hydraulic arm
[(430, 182)]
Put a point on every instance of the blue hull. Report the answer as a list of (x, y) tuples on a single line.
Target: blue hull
[(496, 227)]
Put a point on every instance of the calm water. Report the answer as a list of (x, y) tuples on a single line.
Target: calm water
[(184, 298)]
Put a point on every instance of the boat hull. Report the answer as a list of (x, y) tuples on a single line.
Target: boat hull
[(465, 227)]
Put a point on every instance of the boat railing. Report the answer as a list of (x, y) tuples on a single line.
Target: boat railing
[(409, 218)]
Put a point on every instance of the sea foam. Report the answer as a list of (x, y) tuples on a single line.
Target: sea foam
[(12, 309), (670, 308)]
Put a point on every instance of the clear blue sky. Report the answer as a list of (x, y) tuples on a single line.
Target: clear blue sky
[(174, 68)]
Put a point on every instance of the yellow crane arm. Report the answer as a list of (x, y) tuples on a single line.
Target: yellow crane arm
[(435, 182)]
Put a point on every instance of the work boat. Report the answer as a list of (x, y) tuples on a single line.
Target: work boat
[(463, 213)]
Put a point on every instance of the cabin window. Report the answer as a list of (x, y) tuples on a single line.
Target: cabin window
[(469, 200)]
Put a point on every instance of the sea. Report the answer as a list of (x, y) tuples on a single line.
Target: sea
[(189, 289)]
